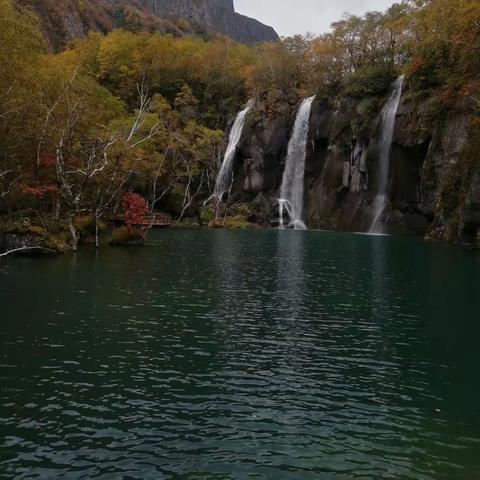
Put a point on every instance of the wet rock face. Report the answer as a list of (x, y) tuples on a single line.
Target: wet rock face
[(429, 188), (343, 164), (449, 138), (450, 184), (263, 150)]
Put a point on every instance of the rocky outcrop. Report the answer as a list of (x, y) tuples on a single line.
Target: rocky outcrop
[(217, 16), (451, 181), (27, 244), (434, 185), (260, 162), (63, 21), (342, 170)]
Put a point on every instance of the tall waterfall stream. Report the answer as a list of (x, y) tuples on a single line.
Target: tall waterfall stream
[(225, 176), (387, 128), (292, 191)]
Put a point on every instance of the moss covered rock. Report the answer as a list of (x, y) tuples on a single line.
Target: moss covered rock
[(237, 222), (127, 237), (206, 215), (189, 222), (32, 240)]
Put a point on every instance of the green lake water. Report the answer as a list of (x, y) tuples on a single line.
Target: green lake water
[(242, 355)]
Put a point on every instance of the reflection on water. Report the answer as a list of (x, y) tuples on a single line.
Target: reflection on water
[(214, 355), (290, 273)]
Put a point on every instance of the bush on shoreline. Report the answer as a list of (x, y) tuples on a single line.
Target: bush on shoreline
[(127, 237)]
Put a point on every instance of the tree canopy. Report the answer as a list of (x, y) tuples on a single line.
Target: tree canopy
[(146, 112)]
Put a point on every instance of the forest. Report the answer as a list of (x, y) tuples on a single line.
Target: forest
[(118, 125)]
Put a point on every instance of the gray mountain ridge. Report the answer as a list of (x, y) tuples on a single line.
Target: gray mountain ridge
[(216, 15), (63, 21)]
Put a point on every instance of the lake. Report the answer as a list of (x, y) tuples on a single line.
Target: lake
[(242, 355)]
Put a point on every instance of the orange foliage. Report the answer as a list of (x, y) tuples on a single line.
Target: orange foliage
[(36, 190), (417, 64)]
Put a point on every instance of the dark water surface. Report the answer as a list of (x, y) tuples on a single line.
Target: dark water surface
[(235, 355)]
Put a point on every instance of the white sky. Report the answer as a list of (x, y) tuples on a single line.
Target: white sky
[(289, 17)]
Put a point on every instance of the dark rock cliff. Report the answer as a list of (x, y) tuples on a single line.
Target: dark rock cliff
[(63, 21), (433, 189), (216, 16)]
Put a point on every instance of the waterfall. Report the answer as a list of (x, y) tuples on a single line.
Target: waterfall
[(292, 190), (225, 176), (387, 129)]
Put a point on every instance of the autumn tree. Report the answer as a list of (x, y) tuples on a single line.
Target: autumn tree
[(21, 45), (134, 209), (445, 40)]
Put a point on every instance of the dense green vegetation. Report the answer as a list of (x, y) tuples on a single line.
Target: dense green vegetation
[(145, 112)]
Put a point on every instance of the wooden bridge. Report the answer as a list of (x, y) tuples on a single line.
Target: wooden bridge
[(157, 220)]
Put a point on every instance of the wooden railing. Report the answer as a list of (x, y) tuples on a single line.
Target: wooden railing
[(158, 220)]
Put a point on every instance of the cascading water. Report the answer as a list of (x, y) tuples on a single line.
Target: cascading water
[(292, 190), (388, 117), (225, 176)]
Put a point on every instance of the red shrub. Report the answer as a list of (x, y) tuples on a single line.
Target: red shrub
[(134, 209)]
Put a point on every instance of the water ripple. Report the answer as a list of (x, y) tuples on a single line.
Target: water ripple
[(267, 355)]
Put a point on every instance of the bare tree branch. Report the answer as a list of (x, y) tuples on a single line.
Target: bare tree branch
[(50, 112), (25, 249)]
